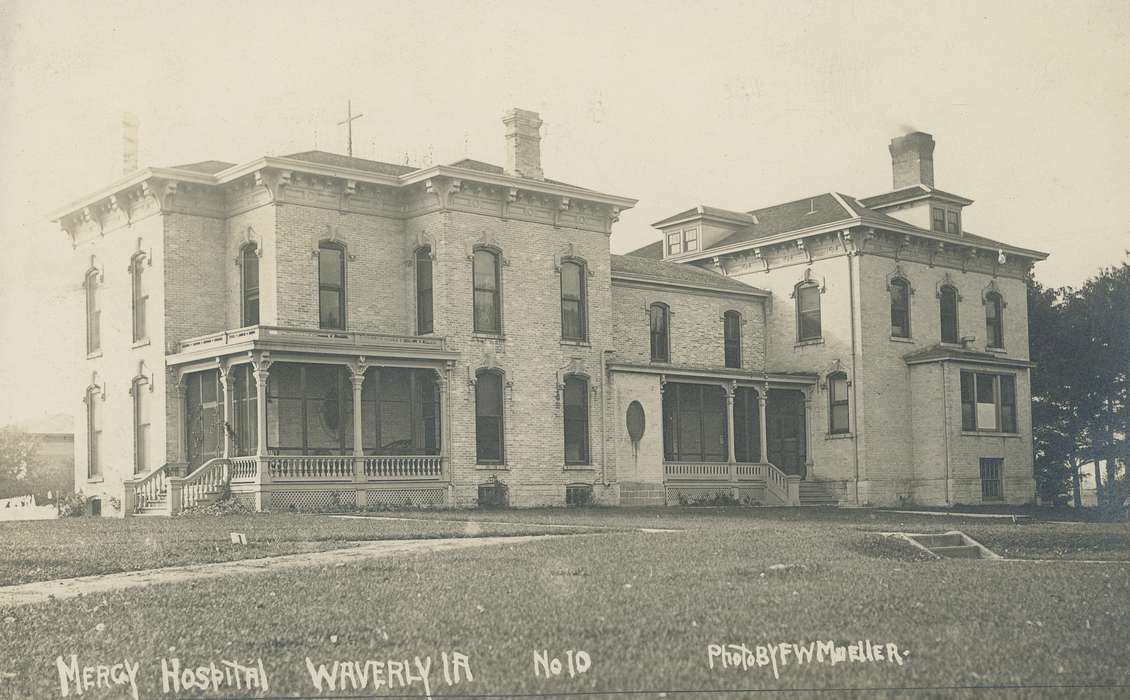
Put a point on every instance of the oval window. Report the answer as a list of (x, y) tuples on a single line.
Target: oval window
[(637, 423)]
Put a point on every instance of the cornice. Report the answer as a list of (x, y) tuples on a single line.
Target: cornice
[(521, 184)]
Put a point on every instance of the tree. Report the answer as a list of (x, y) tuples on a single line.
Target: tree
[(1080, 342), (20, 462)]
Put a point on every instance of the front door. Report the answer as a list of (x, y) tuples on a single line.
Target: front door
[(204, 428), (784, 427)]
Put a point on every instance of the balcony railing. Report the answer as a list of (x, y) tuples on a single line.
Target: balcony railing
[(314, 337)]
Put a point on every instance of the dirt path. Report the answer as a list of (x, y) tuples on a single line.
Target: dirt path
[(41, 591)]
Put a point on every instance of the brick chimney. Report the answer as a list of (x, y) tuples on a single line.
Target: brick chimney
[(523, 143), (912, 160)]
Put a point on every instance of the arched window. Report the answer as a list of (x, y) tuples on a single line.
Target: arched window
[(576, 393), (423, 290), (93, 433), (947, 304), (331, 285), (574, 321), (138, 297), (488, 298), (660, 333), (994, 320), (489, 428), (807, 311), (732, 338), (93, 313), (142, 398), (838, 417), (249, 283), (900, 308)]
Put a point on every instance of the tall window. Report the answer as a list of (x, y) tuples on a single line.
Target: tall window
[(142, 398), (423, 290), (249, 271), (808, 311), (900, 308), (93, 313), (838, 403), (93, 434), (488, 300), (574, 319), (138, 296), (660, 333), (948, 308), (331, 285), (576, 406), (488, 418), (994, 320), (732, 338), (988, 402)]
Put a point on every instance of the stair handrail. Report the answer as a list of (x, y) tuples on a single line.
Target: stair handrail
[(777, 482), (213, 474), (143, 489)]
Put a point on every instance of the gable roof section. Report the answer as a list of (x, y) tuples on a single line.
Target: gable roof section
[(653, 251), (632, 267), (909, 194)]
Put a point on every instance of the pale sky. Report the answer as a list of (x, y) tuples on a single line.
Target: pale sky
[(737, 105)]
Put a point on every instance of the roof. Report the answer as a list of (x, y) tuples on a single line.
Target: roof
[(910, 193), (707, 212), (338, 160), (210, 167), (55, 424), (827, 211), (940, 353), (645, 269), (654, 251), (472, 164)]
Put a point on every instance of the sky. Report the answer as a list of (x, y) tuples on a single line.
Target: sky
[(737, 105)]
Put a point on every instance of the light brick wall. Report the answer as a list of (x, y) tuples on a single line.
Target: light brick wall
[(696, 331), (531, 352), (120, 360), (639, 467)]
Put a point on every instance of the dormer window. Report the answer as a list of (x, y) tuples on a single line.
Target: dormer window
[(683, 241), (945, 220)]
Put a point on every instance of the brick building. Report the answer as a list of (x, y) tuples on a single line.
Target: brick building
[(317, 331)]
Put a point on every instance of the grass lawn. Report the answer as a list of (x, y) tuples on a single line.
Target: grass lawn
[(644, 606), (49, 549)]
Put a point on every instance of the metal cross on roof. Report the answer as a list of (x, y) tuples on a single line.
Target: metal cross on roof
[(348, 123)]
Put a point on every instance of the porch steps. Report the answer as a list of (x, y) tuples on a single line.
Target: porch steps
[(814, 493), (160, 505)]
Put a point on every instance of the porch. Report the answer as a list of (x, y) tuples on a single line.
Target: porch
[(311, 420)]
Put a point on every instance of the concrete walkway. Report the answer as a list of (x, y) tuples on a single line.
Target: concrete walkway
[(41, 591)]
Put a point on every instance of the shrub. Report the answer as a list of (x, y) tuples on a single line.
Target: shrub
[(72, 505)]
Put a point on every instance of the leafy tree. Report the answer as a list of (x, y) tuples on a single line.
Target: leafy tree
[(20, 462), (1080, 342)]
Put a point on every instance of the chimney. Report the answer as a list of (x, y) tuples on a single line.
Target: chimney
[(130, 126), (912, 160), (523, 143)]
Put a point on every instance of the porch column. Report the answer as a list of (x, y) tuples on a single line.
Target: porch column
[(731, 456), (181, 388), (226, 380), (762, 403), (808, 433), (357, 377), (262, 375), (444, 414)]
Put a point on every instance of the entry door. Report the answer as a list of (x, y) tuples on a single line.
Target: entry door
[(784, 427), (203, 416)]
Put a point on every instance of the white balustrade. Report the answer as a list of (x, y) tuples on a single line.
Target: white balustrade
[(244, 468), (405, 467), (313, 468)]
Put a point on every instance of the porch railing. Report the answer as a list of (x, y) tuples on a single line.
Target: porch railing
[(777, 482), (244, 468), (391, 467), (316, 336), (317, 468), (209, 478), (145, 490)]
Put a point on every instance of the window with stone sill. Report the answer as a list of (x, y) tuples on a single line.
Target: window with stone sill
[(988, 402)]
